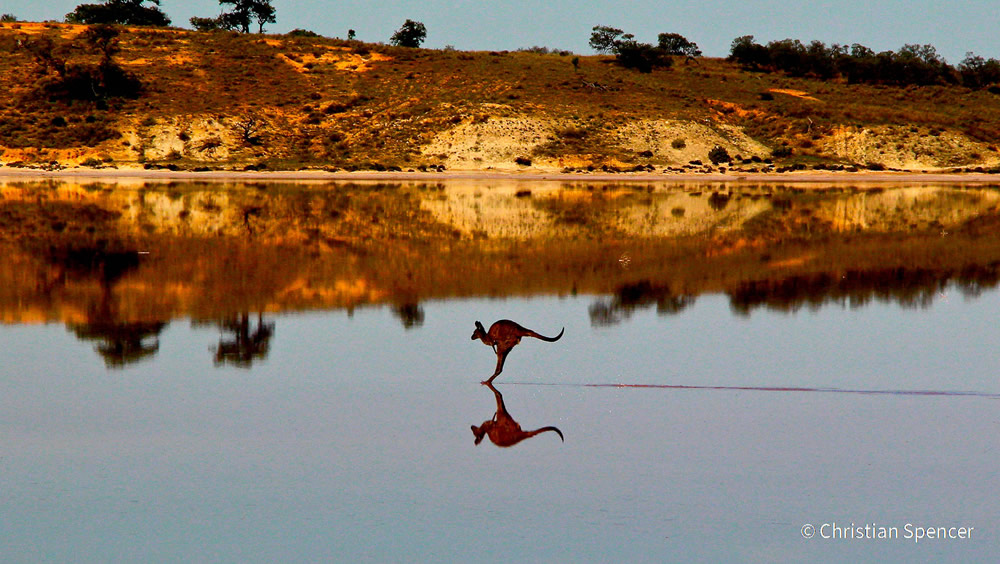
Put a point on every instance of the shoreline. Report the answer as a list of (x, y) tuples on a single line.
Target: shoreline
[(474, 175)]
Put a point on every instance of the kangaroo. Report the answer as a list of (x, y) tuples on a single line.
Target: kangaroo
[(502, 430), (503, 336)]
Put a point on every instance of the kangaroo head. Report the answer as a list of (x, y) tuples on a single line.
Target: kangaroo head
[(481, 431), (480, 333)]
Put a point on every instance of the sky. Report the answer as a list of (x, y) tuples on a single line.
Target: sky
[(954, 27)]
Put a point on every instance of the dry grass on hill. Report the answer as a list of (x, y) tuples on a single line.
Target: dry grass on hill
[(225, 100)]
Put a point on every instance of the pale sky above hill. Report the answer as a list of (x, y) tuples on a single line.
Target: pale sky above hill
[(953, 27)]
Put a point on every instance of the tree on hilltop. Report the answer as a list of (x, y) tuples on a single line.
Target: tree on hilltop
[(977, 72), (263, 13), (748, 53), (630, 53), (604, 39), (242, 15), (677, 44), (410, 34), (124, 12)]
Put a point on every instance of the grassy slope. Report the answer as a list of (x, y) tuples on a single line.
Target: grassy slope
[(330, 103)]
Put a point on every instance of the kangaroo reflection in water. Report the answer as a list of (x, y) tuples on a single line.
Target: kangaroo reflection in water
[(502, 430), (503, 336)]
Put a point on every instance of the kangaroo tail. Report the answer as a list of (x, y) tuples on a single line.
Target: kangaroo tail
[(549, 428), (549, 339)]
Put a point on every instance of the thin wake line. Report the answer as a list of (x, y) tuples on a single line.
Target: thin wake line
[(773, 389)]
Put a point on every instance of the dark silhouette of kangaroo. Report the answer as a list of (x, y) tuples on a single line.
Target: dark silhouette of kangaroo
[(503, 336), (502, 430)]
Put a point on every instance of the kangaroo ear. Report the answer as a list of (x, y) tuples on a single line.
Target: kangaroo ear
[(480, 326)]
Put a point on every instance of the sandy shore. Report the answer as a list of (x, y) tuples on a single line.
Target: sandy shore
[(106, 174)]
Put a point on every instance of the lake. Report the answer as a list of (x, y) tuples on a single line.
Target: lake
[(234, 372)]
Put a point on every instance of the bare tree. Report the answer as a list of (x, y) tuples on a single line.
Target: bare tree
[(249, 129)]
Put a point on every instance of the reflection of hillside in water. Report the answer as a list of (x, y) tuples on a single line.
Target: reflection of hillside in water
[(117, 260), (916, 287), (636, 296)]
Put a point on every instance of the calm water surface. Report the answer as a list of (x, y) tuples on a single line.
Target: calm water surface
[(351, 440), (708, 427)]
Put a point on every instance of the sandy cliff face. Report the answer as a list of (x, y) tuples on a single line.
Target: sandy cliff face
[(493, 143), (908, 147), (497, 144)]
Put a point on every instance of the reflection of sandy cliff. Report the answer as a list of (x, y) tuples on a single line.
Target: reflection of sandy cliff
[(213, 250), (524, 210), (527, 210), (906, 208)]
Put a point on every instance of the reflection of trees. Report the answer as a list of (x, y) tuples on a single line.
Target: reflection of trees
[(122, 343), (411, 314), (638, 295), (719, 200), (119, 342), (246, 342), (909, 287)]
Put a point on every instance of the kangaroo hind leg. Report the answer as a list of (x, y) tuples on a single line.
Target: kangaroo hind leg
[(501, 357)]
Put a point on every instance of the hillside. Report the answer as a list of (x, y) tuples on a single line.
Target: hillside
[(229, 101)]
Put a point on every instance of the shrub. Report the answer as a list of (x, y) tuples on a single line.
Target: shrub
[(206, 24), (782, 152), (523, 161), (642, 56), (719, 155), (678, 143), (67, 81)]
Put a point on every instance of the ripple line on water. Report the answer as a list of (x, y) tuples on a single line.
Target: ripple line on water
[(958, 393)]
